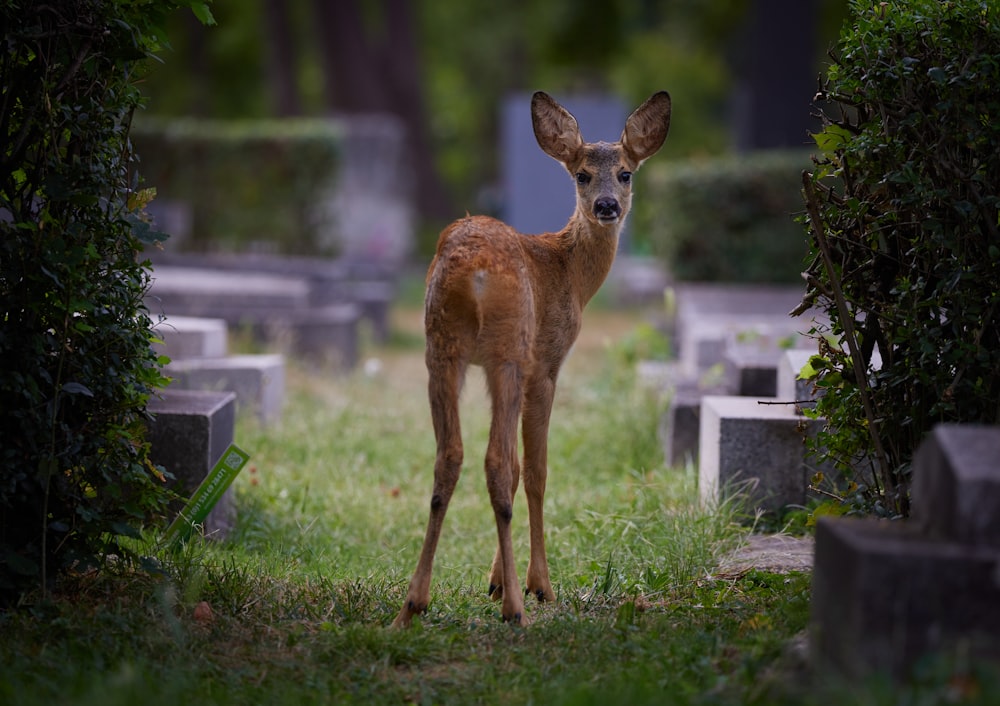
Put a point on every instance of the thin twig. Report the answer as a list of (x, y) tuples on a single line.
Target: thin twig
[(792, 402)]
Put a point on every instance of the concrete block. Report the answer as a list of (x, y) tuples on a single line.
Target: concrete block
[(191, 337), (883, 596), (257, 380), (956, 484), (188, 434), (328, 335), (751, 373), (758, 449)]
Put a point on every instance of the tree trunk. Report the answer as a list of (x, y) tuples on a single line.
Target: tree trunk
[(280, 59), (374, 67)]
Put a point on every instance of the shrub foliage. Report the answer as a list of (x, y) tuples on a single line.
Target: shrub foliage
[(903, 213), (76, 367)]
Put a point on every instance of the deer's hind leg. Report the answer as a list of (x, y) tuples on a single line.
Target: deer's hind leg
[(446, 377)]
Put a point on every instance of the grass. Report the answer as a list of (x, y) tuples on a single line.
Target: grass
[(294, 608)]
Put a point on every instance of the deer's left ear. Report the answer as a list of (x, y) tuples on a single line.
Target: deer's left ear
[(647, 127)]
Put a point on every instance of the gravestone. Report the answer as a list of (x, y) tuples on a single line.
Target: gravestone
[(756, 449), (888, 594), (189, 432)]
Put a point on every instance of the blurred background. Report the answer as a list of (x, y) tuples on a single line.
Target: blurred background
[(422, 86)]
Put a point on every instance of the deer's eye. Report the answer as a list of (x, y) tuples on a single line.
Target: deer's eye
[(625, 177), (582, 178)]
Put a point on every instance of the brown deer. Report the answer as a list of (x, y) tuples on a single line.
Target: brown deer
[(512, 303)]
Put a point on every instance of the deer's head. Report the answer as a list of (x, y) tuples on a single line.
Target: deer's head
[(602, 170)]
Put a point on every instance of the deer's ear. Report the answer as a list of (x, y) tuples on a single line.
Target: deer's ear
[(555, 129), (647, 127)]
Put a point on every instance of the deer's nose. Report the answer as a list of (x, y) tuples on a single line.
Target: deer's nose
[(607, 208)]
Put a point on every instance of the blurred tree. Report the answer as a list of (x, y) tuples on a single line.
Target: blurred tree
[(444, 67), (281, 59), (371, 63)]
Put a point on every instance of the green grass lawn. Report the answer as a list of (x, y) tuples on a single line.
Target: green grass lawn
[(295, 607)]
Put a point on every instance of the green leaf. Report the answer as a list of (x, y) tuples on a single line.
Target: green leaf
[(203, 13), (832, 138), (76, 388)]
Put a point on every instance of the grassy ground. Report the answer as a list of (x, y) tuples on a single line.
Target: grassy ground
[(295, 607)]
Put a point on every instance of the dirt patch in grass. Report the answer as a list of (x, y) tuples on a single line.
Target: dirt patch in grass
[(776, 553)]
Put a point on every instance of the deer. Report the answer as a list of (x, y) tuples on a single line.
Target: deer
[(512, 303)]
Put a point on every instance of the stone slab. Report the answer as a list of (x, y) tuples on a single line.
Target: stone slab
[(705, 341), (702, 298), (192, 291), (709, 316), (327, 279), (257, 380), (956, 484), (188, 434), (757, 449), (191, 337), (883, 597)]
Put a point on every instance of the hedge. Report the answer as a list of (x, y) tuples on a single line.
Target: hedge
[(249, 185), (76, 365), (727, 219), (903, 216)]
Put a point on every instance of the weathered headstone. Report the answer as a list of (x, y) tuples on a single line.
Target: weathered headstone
[(257, 380), (189, 432), (749, 446), (886, 594)]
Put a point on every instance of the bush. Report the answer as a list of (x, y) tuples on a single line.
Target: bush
[(76, 367), (903, 212), (725, 219), (292, 186), (248, 185)]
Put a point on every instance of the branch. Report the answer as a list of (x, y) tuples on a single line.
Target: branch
[(849, 333)]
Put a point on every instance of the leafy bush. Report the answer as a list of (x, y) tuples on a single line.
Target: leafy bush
[(76, 367), (903, 212), (725, 219), (248, 184)]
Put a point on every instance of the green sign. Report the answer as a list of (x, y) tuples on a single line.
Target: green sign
[(207, 494)]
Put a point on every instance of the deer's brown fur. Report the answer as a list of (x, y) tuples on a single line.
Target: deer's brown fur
[(512, 303)]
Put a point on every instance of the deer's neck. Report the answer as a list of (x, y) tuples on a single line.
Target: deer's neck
[(590, 250)]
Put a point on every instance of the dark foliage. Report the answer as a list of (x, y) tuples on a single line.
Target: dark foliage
[(903, 212), (76, 367)]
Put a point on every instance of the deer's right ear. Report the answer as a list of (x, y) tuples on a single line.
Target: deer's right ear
[(555, 129)]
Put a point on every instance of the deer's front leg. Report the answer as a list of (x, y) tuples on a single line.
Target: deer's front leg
[(445, 382), (537, 410)]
